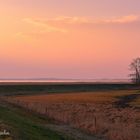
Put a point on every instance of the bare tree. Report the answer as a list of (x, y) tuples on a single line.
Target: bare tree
[(135, 68)]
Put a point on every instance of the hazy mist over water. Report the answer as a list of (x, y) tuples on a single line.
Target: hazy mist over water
[(66, 80)]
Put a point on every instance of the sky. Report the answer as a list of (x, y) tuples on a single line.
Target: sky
[(84, 39)]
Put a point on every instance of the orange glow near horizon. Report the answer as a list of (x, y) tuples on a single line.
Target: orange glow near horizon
[(46, 39)]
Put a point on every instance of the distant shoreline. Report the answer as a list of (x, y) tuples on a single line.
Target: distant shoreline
[(65, 81), (62, 83)]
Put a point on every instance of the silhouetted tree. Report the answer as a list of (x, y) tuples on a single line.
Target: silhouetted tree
[(135, 68)]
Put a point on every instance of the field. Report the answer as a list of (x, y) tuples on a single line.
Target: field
[(101, 112), (49, 88)]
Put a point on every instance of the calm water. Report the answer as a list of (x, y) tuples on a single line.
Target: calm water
[(68, 81)]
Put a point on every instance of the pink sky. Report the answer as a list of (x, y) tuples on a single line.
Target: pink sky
[(68, 39)]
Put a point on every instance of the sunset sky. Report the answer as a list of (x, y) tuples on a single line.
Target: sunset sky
[(68, 38)]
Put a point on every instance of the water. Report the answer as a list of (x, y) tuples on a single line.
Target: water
[(64, 80)]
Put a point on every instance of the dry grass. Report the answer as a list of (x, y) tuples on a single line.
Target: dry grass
[(89, 97), (136, 103), (92, 112)]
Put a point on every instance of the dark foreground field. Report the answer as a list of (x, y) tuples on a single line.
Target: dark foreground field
[(79, 111)]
